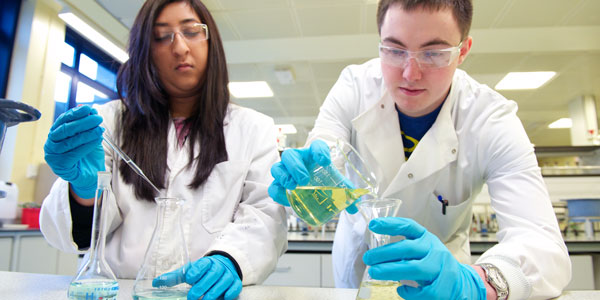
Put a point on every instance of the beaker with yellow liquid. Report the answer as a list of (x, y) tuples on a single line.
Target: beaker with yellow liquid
[(334, 187)]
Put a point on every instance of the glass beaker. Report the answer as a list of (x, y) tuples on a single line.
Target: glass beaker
[(371, 288), (166, 253), (95, 280), (334, 187)]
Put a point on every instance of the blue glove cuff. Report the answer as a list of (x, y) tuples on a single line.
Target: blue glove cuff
[(85, 193), (228, 261), (479, 288)]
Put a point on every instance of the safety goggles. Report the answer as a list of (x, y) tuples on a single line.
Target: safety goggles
[(427, 59), (191, 33)]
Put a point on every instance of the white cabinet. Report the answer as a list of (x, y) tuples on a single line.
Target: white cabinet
[(312, 270), (6, 244), (582, 275), (36, 256), (327, 271), (297, 270), (28, 251)]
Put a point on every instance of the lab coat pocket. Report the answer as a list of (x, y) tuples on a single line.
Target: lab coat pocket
[(222, 193), (456, 219)]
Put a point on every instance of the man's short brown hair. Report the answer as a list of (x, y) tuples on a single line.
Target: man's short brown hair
[(461, 9)]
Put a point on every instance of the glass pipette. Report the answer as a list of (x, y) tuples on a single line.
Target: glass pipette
[(128, 160)]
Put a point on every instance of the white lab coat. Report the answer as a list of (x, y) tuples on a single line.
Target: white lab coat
[(477, 138), (230, 212)]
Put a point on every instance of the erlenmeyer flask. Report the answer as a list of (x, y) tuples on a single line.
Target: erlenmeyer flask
[(334, 187), (95, 280), (369, 287), (166, 253)]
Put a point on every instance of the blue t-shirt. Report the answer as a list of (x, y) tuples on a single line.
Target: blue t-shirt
[(414, 128)]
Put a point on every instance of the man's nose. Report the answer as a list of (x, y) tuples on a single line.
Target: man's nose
[(412, 70)]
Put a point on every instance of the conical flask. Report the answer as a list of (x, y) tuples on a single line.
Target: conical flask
[(166, 253), (369, 287), (95, 280)]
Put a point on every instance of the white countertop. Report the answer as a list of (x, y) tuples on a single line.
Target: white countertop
[(27, 286)]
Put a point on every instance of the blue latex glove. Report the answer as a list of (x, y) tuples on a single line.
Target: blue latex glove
[(293, 170), (212, 276), (74, 151), (421, 257)]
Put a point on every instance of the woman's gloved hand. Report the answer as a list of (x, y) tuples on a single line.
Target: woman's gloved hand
[(74, 151), (421, 257), (293, 170), (213, 276)]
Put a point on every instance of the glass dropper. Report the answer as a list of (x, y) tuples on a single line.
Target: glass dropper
[(128, 160)]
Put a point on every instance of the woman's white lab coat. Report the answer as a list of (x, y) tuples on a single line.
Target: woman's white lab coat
[(230, 212), (477, 138)]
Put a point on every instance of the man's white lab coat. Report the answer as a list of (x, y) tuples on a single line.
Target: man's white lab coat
[(477, 138), (230, 212)]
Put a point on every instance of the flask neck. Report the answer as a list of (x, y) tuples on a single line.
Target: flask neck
[(99, 226)]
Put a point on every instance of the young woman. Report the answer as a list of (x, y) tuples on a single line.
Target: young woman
[(176, 122)]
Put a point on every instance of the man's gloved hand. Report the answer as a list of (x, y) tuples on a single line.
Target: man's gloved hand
[(421, 257), (74, 151), (212, 276), (294, 167)]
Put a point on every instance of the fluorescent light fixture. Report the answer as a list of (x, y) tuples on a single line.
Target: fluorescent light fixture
[(561, 123), (250, 89), (94, 36), (524, 80), (285, 128)]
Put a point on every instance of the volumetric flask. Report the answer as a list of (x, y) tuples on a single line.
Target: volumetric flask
[(369, 287), (162, 275), (334, 187), (95, 280)]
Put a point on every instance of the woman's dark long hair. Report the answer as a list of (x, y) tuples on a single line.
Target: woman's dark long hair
[(145, 119)]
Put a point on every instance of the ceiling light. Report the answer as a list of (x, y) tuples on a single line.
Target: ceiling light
[(250, 89), (524, 80), (285, 76), (561, 123), (94, 36), (285, 128)]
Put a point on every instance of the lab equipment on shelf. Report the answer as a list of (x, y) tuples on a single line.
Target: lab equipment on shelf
[(95, 280)]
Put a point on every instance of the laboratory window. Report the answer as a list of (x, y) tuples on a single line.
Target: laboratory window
[(9, 13), (87, 75)]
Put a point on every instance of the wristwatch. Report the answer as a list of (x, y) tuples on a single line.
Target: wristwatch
[(496, 280)]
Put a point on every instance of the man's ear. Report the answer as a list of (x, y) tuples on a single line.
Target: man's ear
[(465, 49)]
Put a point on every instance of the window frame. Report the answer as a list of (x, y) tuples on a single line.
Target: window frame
[(83, 46)]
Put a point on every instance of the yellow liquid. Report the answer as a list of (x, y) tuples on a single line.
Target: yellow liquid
[(319, 204), (375, 290)]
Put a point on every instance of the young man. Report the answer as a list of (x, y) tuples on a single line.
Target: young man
[(433, 137)]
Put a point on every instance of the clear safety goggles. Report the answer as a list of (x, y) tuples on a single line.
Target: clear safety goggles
[(427, 59), (191, 33)]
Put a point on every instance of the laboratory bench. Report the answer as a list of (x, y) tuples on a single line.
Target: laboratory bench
[(307, 262), (30, 286)]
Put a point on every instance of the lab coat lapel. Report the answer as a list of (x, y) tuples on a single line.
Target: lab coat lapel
[(437, 149), (379, 129)]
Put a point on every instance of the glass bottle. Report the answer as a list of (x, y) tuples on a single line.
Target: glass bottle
[(95, 280), (371, 288), (162, 275)]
